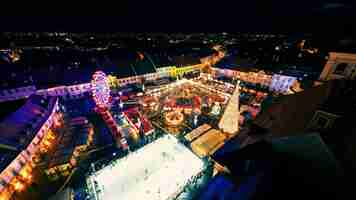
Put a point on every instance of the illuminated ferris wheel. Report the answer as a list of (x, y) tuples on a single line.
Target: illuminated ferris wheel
[(100, 89)]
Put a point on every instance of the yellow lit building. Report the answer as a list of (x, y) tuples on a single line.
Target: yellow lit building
[(166, 71), (180, 71), (197, 132), (208, 143), (113, 81), (173, 71), (72, 146)]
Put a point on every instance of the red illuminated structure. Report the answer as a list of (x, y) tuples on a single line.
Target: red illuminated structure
[(133, 113), (100, 89), (101, 94)]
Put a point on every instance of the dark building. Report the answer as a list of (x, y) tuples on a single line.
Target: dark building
[(285, 167)]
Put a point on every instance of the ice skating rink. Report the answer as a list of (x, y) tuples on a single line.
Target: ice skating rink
[(157, 171)]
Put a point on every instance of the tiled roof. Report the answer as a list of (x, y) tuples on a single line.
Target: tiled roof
[(291, 113)]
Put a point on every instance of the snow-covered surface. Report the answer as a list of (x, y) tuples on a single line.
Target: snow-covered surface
[(159, 170)]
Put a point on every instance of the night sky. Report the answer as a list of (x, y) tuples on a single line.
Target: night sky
[(172, 16)]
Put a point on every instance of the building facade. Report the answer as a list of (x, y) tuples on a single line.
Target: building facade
[(338, 66), (17, 175), (17, 93)]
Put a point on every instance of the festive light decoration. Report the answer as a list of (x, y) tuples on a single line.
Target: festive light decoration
[(100, 89), (174, 118)]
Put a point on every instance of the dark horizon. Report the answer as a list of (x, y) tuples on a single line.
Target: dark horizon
[(319, 17)]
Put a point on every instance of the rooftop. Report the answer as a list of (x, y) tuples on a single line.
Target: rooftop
[(19, 128), (291, 113)]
